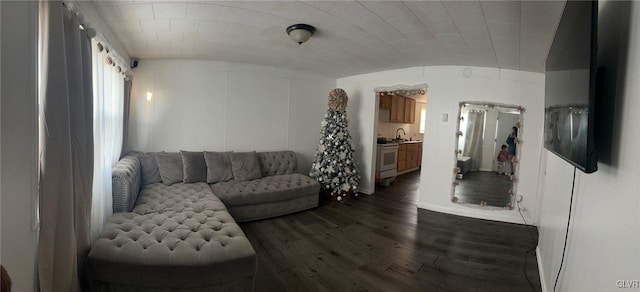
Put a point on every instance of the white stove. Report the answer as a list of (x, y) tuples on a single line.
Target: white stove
[(387, 161)]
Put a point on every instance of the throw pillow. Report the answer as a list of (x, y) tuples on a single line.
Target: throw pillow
[(150, 172), (170, 167), (218, 167), (194, 167), (245, 165)]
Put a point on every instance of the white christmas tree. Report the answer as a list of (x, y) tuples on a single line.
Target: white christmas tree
[(334, 166)]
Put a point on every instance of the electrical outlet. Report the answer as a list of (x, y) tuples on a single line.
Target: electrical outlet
[(519, 198)]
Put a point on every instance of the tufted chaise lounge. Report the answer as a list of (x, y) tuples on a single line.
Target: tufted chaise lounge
[(184, 237), (280, 190)]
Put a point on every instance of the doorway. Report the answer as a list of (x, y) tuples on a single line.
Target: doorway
[(400, 114), (505, 122)]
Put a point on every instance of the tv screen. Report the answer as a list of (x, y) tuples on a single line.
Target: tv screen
[(570, 78)]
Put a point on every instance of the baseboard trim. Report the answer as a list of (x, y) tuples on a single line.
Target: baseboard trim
[(543, 283), (408, 170), (510, 216)]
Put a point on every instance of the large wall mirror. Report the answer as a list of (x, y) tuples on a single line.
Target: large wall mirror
[(488, 147)]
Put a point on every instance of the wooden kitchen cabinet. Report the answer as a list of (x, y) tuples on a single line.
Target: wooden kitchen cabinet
[(397, 109), (385, 102), (409, 157), (412, 156), (410, 111), (401, 109), (402, 157)]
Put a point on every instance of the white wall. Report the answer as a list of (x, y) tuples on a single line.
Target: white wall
[(447, 87), (221, 106), (19, 150), (604, 239)]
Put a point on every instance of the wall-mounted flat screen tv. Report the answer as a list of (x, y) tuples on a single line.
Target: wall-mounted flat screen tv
[(570, 87)]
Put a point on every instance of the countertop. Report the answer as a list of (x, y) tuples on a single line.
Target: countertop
[(382, 140), (410, 142), (390, 141)]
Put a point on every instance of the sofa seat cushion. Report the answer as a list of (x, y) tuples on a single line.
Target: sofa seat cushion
[(172, 250), (179, 197), (266, 190)]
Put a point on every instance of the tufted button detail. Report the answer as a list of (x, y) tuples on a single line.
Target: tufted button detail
[(194, 218)]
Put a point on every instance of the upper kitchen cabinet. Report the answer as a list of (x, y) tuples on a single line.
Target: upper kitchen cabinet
[(385, 102), (401, 109), (410, 111), (397, 109)]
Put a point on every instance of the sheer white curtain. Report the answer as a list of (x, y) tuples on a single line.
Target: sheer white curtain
[(108, 111)]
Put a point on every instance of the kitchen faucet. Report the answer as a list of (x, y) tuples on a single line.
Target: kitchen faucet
[(398, 135)]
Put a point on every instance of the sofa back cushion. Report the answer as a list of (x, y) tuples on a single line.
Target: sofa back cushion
[(170, 167), (245, 166), (218, 167), (194, 167), (277, 162), (126, 181), (150, 172)]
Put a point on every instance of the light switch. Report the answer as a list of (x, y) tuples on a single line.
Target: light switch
[(445, 117)]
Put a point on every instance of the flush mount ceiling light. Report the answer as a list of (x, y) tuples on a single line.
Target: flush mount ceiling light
[(300, 33)]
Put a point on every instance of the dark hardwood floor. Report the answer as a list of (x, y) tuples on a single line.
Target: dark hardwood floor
[(484, 186), (382, 242)]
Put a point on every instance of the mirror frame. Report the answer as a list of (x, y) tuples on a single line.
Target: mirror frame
[(516, 160)]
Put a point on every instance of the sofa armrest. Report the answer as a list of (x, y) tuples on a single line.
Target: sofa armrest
[(125, 181)]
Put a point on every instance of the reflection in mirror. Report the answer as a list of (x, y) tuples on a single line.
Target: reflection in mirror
[(486, 159)]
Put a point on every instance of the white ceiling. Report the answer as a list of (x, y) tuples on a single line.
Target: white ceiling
[(352, 37)]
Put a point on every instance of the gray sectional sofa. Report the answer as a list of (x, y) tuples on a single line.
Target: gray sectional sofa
[(174, 224)]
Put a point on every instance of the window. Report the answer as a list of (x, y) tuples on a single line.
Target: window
[(423, 117), (108, 111)]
